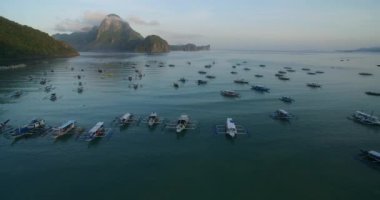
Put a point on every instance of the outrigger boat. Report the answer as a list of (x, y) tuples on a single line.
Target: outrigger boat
[(365, 74), (16, 94), (152, 119), (201, 82), (364, 118), (260, 88), (230, 128), (80, 89), (210, 76), (233, 72), (313, 85), (258, 75), (64, 129), (372, 155), (287, 99), (283, 78), (53, 97), (175, 85), (281, 114), (372, 93), (202, 72), (127, 119), (229, 93), (183, 80), (241, 81), (98, 131), (183, 123), (29, 129)]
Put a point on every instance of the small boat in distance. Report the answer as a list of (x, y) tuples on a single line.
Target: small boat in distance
[(364, 118), (183, 80), (53, 97), (283, 78), (306, 69), (233, 72), (260, 88), (287, 99), (313, 85), (365, 74), (201, 82), (258, 75), (373, 93), (241, 81), (64, 129), (210, 76), (229, 93), (202, 72), (262, 65), (281, 114), (80, 89), (175, 85), (319, 72)]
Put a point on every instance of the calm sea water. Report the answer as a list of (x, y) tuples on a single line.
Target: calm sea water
[(313, 157)]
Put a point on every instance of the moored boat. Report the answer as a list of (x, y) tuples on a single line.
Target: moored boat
[(241, 81), (313, 85), (97, 131), (29, 129), (287, 99), (64, 129), (364, 118), (260, 88), (229, 93), (182, 123), (281, 114), (373, 93)]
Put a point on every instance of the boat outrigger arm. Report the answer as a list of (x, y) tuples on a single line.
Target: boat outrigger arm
[(3, 124)]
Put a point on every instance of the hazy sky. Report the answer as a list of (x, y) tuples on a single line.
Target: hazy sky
[(225, 24)]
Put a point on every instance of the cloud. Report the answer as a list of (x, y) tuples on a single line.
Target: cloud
[(138, 21), (84, 23)]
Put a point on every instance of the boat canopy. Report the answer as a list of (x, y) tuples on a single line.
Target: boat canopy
[(374, 154), (126, 116), (68, 123), (96, 127), (230, 124)]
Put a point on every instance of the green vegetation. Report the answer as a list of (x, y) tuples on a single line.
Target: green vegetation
[(153, 44), (18, 42)]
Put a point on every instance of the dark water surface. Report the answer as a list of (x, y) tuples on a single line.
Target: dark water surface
[(313, 157)]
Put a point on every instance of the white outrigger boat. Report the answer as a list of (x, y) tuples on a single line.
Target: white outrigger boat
[(152, 119), (230, 129), (98, 131), (183, 123), (64, 129), (127, 119), (364, 118)]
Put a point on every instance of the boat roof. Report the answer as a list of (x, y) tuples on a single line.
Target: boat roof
[(374, 154), (230, 124), (96, 127), (282, 111), (126, 116), (153, 114), (68, 123), (184, 117)]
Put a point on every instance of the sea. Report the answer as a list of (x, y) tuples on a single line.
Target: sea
[(316, 155)]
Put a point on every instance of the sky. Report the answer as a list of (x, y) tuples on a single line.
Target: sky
[(224, 24)]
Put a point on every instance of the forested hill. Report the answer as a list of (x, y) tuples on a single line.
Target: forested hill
[(19, 42)]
